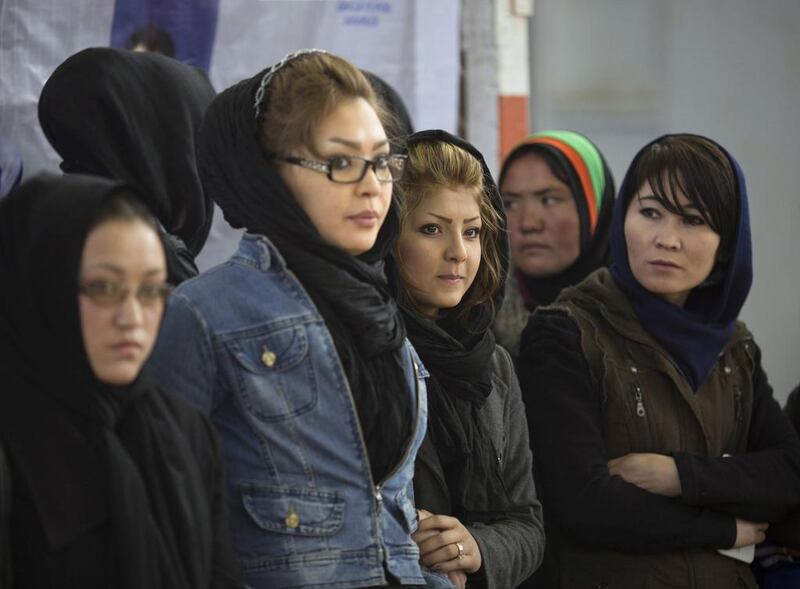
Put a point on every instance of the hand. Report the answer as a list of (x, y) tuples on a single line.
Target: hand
[(438, 537), (655, 473), (749, 533), (458, 578)]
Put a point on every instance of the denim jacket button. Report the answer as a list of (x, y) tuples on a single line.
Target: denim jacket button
[(268, 357), (292, 520)]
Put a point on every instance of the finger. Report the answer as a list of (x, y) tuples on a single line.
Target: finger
[(423, 514), (440, 540), (760, 537), (454, 564), (614, 461), (441, 556), (420, 537), (439, 522)]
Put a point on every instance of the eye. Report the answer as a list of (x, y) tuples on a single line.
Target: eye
[(649, 213), (473, 232), (430, 229), (99, 288), (340, 162), (383, 162), (150, 293), (694, 220), (549, 200), (510, 203)]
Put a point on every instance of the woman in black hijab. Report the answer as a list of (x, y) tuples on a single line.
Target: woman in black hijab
[(134, 117), (114, 484), (474, 469)]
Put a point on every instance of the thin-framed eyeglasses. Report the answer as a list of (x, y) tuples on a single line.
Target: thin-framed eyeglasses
[(345, 169), (111, 294)]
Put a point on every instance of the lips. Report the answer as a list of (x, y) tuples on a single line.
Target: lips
[(366, 218), (450, 278), (126, 348), (664, 264), (532, 247)]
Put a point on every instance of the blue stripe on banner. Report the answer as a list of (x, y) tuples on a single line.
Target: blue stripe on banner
[(192, 24)]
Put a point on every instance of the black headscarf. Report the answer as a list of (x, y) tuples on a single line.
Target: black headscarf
[(694, 335), (134, 117), (350, 292), (401, 126), (89, 453), (460, 362), (592, 183)]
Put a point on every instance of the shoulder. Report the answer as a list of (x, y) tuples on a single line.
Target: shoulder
[(192, 425), (553, 324)]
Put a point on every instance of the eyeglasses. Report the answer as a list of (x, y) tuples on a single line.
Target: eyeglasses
[(345, 169), (110, 294)]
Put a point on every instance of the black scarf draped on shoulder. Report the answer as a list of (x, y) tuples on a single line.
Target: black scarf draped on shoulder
[(135, 117), (89, 453), (460, 363), (350, 292)]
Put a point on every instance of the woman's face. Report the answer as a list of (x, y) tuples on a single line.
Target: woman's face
[(347, 216), (119, 334), (669, 254), (543, 223), (439, 249)]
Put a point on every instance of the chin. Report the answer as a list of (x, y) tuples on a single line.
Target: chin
[(118, 376)]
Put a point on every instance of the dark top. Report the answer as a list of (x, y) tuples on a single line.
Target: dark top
[(89, 560), (618, 513)]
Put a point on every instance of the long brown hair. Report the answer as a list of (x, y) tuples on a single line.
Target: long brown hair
[(435, 165)]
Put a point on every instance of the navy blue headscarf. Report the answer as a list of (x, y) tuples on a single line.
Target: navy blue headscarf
[(694, 335)]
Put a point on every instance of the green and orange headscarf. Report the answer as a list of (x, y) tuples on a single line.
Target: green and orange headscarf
[(592, 185)]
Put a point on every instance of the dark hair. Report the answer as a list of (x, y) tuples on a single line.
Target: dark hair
[(153, 39), (556, 166), (699, 169), (125, 206)]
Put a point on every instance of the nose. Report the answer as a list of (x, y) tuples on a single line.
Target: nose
[(668, 238), (531, 219), (456, 251), (369, 185), (129, 313)]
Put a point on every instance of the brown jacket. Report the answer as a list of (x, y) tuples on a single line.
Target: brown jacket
[(645, 405)]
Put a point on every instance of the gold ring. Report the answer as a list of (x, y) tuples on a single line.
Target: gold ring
[(460, 547)]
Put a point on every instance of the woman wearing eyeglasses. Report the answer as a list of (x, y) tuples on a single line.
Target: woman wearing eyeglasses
[(294, 347), (112, 483)]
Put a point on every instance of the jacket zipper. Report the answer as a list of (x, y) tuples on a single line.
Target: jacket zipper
[(637, 395), (376, 488)]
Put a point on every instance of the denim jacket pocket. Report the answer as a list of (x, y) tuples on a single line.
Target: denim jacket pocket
[(274, 373), (296, 511)]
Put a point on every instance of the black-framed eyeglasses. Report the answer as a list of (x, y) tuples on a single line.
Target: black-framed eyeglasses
[(345, 169), (110, 294)]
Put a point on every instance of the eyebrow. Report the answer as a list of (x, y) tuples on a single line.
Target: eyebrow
[(119, 271), (542, 192), (356, 145), (658, 200), (449, 221)]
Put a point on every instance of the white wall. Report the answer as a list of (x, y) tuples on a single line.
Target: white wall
[(625, 71)]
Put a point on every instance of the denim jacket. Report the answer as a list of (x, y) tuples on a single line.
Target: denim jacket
[(245, 344)]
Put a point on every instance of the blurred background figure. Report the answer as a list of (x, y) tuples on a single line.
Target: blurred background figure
[(135, 117), (114, 483), (558, 195), (151, 39)]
